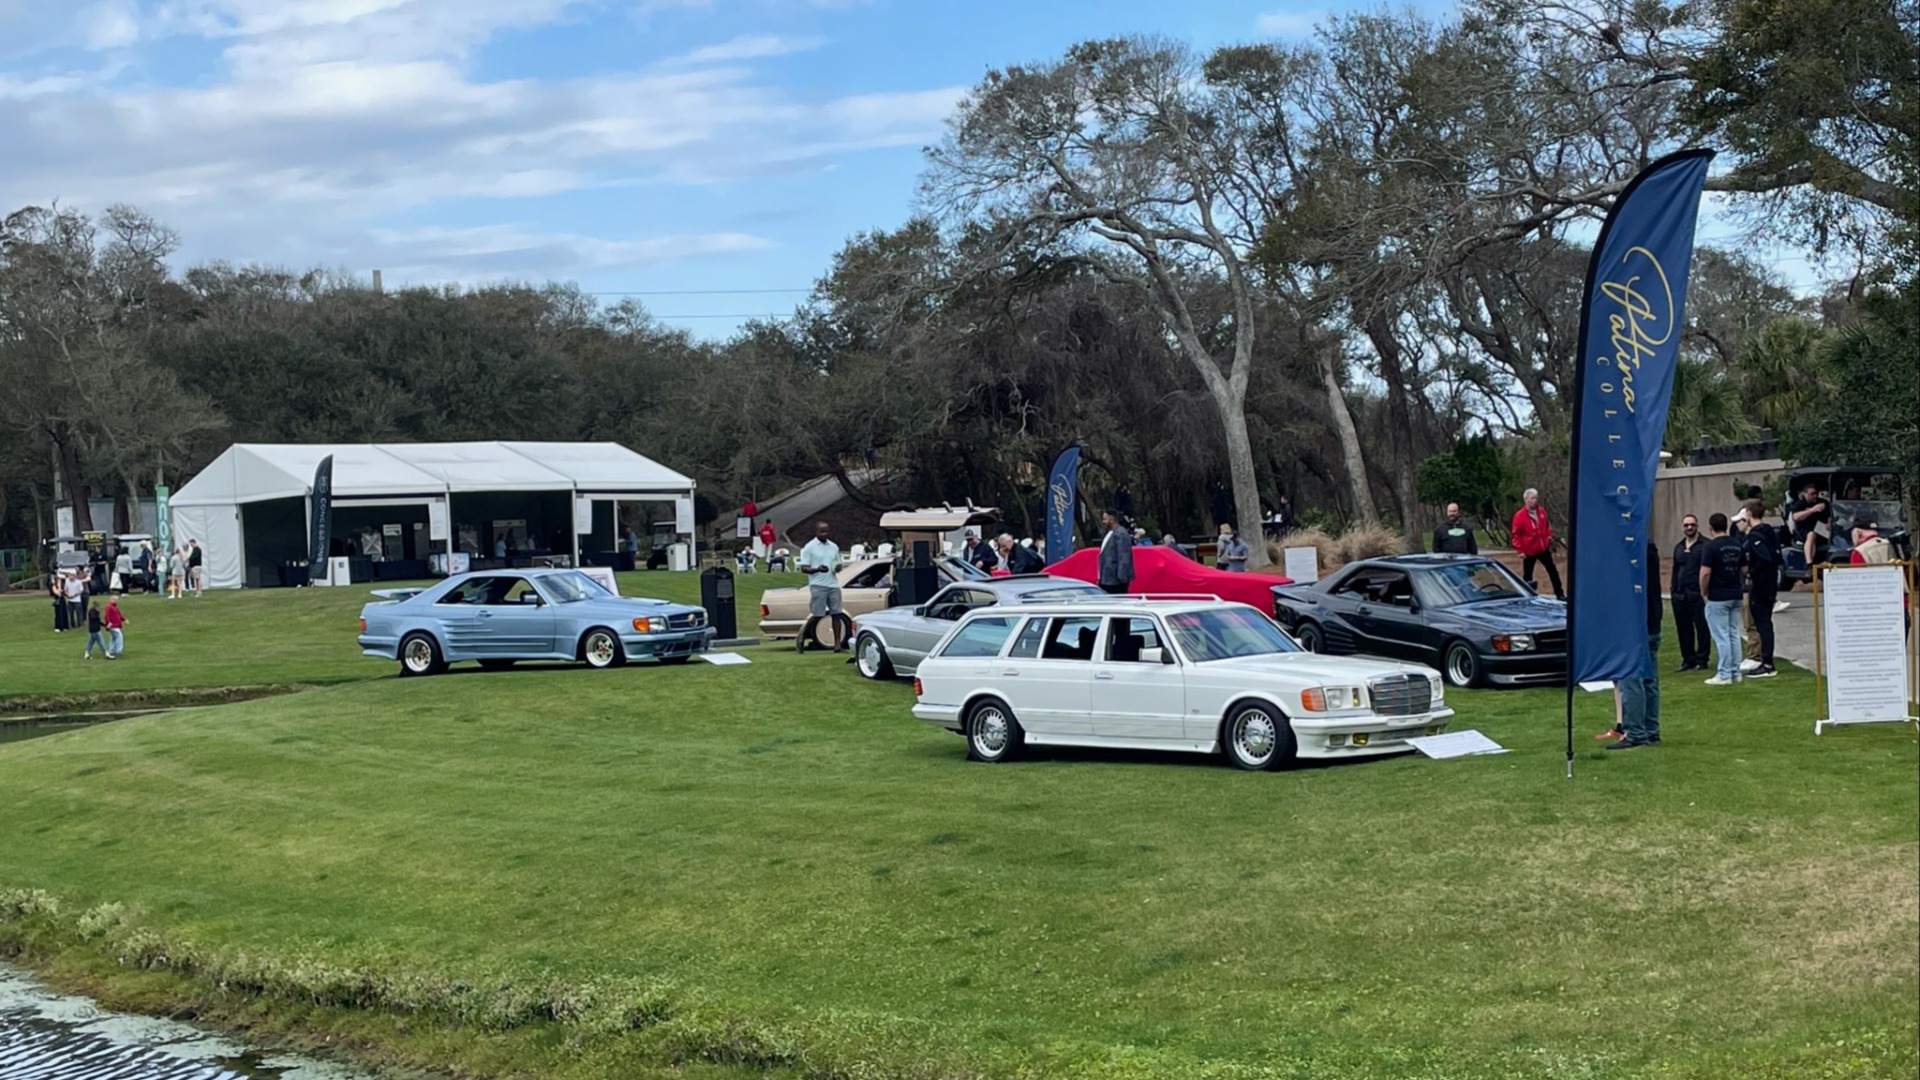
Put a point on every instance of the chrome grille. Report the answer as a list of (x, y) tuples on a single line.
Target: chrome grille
[(1401, 695), (688, 621)]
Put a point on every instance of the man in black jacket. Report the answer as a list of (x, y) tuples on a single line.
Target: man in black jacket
[(1456, 536), (1689, 607), (1640, 698)]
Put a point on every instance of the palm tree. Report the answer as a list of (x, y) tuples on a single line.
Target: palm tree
[(1706, 402), (1783, 373)]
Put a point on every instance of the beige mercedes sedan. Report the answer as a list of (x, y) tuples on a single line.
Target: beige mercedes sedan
[(865, 586)]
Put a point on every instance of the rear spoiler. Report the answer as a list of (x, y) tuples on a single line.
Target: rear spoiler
[(397, 595)]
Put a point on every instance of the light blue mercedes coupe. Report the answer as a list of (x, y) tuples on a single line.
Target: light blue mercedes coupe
[(499, 617)]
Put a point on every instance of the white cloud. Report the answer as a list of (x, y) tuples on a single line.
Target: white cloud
[(1289, 22), (490, 252), (112, 24), (751, 47)]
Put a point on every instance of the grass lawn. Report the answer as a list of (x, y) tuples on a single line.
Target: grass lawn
[(789, 872)]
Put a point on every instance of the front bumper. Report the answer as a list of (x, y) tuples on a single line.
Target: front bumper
[(1524, 669), (1333, 736), (667, 646)]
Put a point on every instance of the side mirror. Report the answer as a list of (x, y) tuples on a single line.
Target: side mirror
[(1155, 656), (921, 611)]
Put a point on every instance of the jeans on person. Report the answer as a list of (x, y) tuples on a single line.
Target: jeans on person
[(1760, 610), (96, 637), (1690, 619), (114, 641), (1640, 702), (1553, 572), (1723, 620)]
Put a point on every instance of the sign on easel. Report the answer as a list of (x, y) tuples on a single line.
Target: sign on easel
[(1866, 658)]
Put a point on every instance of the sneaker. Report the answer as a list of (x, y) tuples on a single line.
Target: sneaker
[(1749, 665), (1719, 680), (1764, 671), (1625, 745), (1780, 606)]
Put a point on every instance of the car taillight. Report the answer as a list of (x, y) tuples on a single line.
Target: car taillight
[(764, 612), (916, 688), (363, 626)]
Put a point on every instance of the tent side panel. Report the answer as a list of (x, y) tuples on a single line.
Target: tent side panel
[(218, 530)]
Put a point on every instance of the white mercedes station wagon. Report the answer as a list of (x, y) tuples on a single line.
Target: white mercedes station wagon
[(1204, 676)]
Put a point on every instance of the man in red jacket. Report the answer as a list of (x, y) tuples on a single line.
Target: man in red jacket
[(1533, 539)]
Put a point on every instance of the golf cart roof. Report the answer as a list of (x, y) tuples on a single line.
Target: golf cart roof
[(938, 518)]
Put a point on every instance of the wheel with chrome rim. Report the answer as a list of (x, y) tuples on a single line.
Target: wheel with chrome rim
[(1311, 637), (1257, 736), (993, 735), (871, 657), (600, 648), (420, 655), (1462, 664)]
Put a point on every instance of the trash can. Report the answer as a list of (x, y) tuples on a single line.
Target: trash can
[(716, 595), (677, 557)]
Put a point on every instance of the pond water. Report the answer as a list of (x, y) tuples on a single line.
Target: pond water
[(49, 1036)]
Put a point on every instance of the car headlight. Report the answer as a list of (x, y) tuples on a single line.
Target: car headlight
[(1330, 698), (1513, 643), (1439, 689)]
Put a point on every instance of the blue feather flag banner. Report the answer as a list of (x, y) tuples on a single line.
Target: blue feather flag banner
[(321, 537), (1062, 481), (1630, 330)]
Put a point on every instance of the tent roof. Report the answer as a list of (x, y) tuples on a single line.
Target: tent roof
[(252, 472)]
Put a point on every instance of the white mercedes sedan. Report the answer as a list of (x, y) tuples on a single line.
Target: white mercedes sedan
[(1202, 676)]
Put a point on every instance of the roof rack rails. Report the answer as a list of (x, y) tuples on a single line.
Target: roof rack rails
[(1092, 598)]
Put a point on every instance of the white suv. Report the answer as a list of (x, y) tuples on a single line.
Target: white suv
[(1205, 676)]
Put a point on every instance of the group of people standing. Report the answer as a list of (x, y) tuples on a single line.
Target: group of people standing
[(1739, 560), (74, 608)]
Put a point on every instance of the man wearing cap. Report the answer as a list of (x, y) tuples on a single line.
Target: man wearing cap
[(980, 553)]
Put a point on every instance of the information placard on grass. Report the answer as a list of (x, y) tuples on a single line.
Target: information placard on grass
[(1863, 645), (1455, 744)]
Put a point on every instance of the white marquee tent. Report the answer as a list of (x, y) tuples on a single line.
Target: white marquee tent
[(250, 508)]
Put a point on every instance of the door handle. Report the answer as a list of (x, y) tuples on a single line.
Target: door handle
[(1014, 671), (1103, 674), (483, 614)]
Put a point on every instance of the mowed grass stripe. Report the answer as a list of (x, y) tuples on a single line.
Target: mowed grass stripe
[(784, 841)]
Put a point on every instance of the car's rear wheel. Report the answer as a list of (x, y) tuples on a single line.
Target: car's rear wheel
[(495, 665), (871, 657), (1461, 664), (600, 648), (1311, 637), (993, 734), (420, 655), (1258, 736)]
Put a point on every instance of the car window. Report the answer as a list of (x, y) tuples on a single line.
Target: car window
[(519, 591), (1133, 639), (1227, 632), (1032, 635), (567, 587), (1060, 592), (873, 577), (470, 591), (1393, 588), (1466, 583), (1071, 638), (961, 569), (955, 602), (1355, 583), (981, 637)]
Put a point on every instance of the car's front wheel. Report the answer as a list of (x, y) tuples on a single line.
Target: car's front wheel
[(1311, 637), (1258, 736), (600, 648), (420, 655), (1461, 664), (871, 657), (993, 735)]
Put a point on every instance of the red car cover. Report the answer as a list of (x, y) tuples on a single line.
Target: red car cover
[(1164, 570)]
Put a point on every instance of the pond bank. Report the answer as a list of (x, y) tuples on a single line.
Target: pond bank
[(65, 1037)]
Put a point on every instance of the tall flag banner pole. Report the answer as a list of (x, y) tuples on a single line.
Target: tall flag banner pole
[(1631, 322), (1062, 482), (322, 520)]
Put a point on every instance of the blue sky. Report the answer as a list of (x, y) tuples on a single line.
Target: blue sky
[(673, 148)]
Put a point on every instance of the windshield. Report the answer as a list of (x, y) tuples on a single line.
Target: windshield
[(568, 587), (963, 570), (1224, 633), (1467, 583)]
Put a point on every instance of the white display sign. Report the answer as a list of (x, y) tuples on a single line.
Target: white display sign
[(1863, 644), (437, 520), (583, 515), (1303, 564), (724, 658), (1455, 744), (742, 528), (603, 575), (683, 516), (63, 521)]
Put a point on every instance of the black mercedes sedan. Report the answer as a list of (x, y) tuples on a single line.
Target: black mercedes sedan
[(1467, 615)]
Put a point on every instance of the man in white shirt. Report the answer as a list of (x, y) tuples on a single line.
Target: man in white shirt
[(818, 561)]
